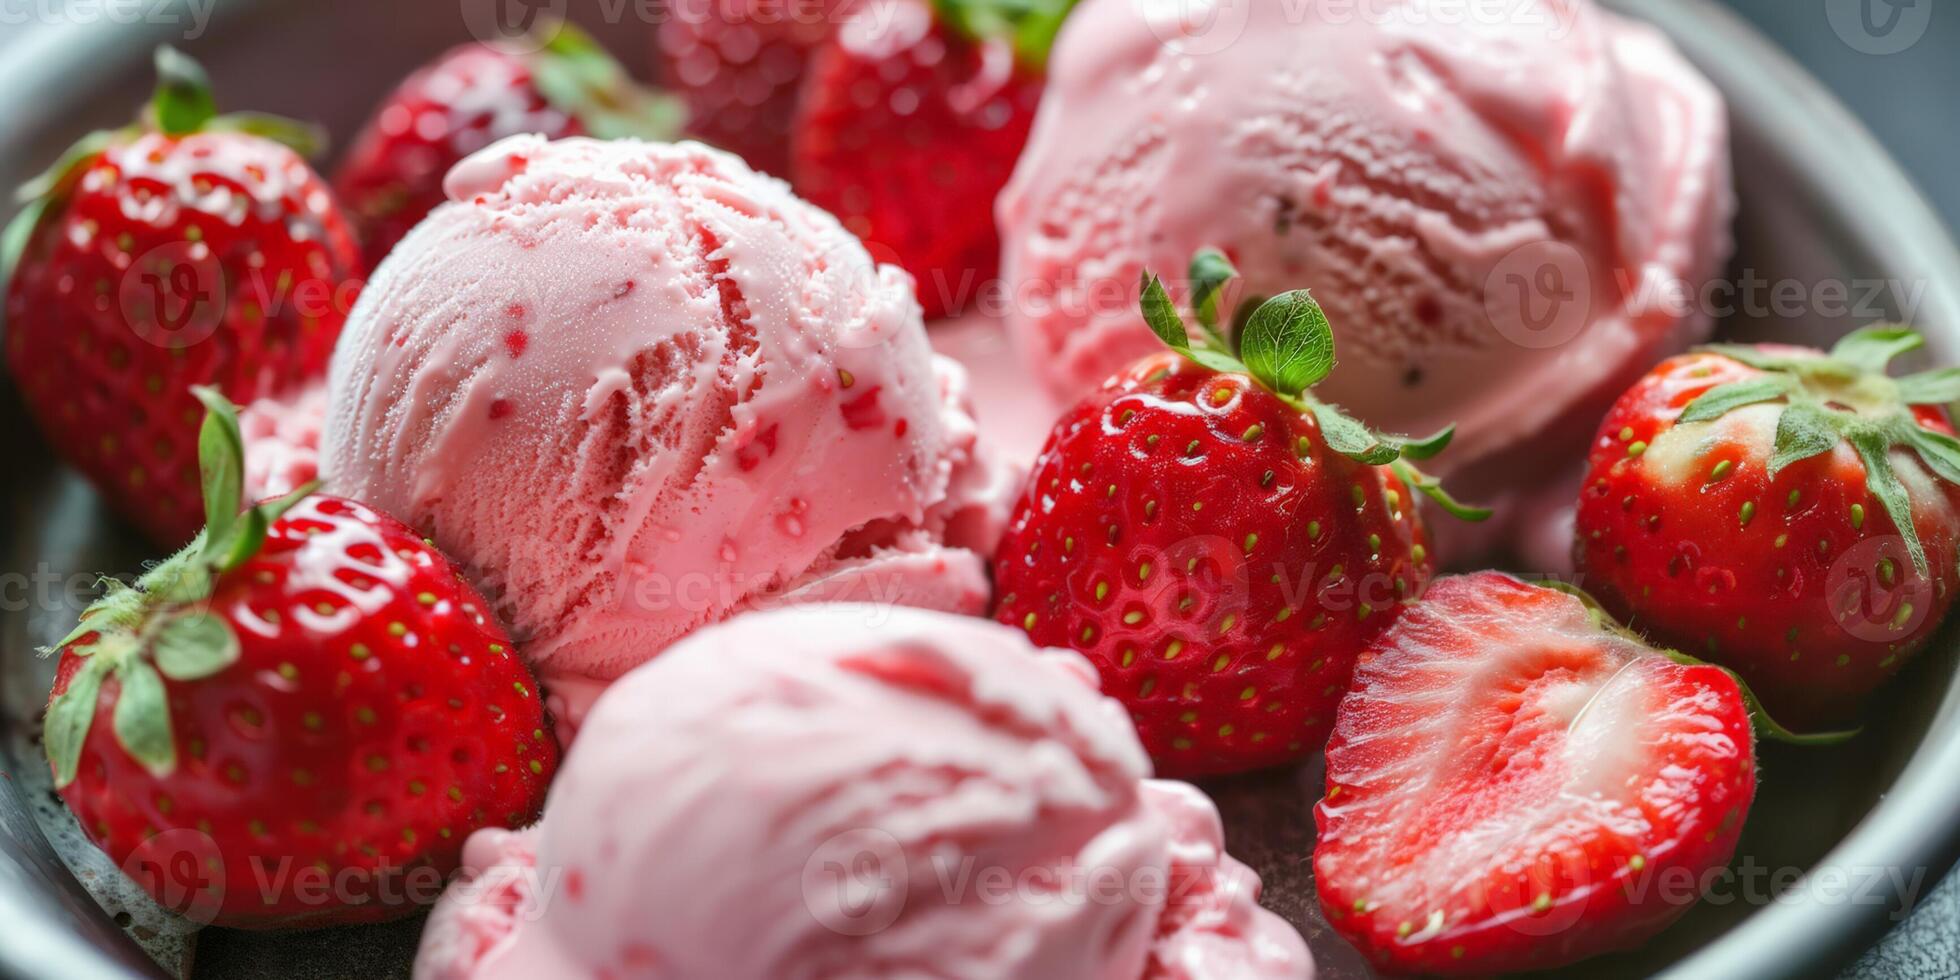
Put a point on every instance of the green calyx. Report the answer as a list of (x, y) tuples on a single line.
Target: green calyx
[(1028, 26), (1766, 726), (162, 626), (181, 105), (1846, 397), (578, 77), (1286, 345)]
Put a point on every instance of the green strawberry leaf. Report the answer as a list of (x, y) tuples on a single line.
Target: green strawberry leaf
[(1352, 439), (1288, 345), (579, 77), (1874, 450), (1939, 451), (142, 718), (1871, 348), (1432, 488), (182, 103), (194, 645), (69, 718), (1029, 26), (1803, 431), (1217, 360), (1428, 447), (1935, 387), (1722, 399), (1162, 316), (221, 465)]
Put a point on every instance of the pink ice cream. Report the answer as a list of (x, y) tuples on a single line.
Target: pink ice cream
[(1492, 211), (860, 791), (637, 387), (282, 441)]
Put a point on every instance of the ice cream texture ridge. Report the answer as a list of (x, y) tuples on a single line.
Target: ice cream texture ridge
[(1495, 213), (702, 835), (636, 387)]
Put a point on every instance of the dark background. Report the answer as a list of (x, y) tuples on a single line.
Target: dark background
[(1910, 99)]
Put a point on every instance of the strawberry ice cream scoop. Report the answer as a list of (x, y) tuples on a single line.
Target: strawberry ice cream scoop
[(1505, 218), (860, 791), (635, 387)]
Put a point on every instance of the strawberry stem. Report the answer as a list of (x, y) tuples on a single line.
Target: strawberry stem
[(183, 102), (1286, 346)]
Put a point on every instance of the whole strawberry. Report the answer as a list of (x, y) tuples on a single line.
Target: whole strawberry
[(1784, 512), (473, 96), (739, 66), (189, 248), (910, 123), (1515, 784), (298, 719), (1217, 542)]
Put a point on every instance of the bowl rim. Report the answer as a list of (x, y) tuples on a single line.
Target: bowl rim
[(1846, 177), (1843, 173)]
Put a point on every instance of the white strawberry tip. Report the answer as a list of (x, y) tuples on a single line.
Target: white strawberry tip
[(1847, 397), (161, 627), (1286, 346)]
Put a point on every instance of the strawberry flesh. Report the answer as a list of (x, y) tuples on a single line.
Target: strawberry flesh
[(1512, 785)]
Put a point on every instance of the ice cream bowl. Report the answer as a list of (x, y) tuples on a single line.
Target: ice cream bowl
[(1842, 839)]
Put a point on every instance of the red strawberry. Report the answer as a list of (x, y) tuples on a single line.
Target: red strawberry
[(308, 703), (473, 96), (1789, 514), (739, 65), (910, 124), (1218, 543), (187, 249), (1513, 784)]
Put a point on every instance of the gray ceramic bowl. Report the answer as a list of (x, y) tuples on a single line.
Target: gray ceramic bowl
[(1820, 202)]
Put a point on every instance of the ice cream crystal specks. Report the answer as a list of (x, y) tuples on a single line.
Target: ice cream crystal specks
[(636, 387)]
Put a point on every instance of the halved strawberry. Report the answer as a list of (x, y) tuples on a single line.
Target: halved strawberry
[(1513, 782), (1792, 514)]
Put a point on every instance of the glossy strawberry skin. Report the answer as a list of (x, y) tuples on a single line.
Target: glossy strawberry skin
[(375, 717), (1796, 597), (105, 369), (907, 132), (740, 66), (1512, 788), (469, 98), (1175, 483)]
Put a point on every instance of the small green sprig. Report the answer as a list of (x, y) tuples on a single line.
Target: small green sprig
[(1287, 346), (1846, 397)]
